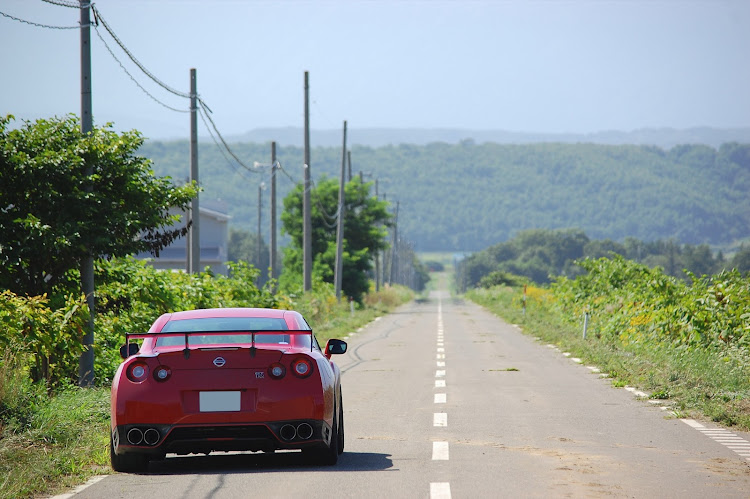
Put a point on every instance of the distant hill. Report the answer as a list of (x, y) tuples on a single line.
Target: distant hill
[(468, 196), (377, 137)]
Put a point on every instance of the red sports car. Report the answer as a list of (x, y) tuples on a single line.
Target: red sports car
[(229, 379)]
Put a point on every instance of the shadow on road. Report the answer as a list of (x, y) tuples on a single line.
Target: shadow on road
[(266, 463)]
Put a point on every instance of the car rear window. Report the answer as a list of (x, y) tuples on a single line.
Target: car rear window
[(219, 324)]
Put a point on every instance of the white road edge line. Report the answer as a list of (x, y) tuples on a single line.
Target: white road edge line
[(80, 488), (733, 442)]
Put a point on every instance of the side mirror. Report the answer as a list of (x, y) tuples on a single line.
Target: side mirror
[(129, 350), (335, 347)]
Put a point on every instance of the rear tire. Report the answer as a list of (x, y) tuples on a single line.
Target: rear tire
[(327, 455), (127, 463)]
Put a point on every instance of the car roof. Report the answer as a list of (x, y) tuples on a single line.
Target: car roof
[(205, 313), (214, 313)]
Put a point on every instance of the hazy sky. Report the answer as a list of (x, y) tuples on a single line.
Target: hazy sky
[(521, 65)]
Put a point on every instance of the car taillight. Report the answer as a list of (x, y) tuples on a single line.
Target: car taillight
[(302, 367), (162, 373), (277, 371), (137, 372)]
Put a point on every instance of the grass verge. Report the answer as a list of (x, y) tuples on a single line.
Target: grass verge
[(702, 384), (49, 444)]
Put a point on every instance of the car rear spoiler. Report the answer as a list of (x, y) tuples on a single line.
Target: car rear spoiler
[(187, 334)]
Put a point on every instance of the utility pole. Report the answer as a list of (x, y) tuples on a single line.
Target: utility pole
[(194, 240), (377, 253), (306, 213), (86, 361), (260, 205), (272, 237), (340, 226), (394, 248)]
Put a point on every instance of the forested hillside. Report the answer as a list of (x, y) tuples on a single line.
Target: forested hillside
[(379, 137), (465, 197)]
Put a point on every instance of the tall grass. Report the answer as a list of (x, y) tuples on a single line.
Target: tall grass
[(48, 442)]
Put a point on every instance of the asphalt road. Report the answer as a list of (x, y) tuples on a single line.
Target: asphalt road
[(443, 399)]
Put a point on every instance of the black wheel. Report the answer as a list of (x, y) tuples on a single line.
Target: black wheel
[(127, 463), (327, 455)]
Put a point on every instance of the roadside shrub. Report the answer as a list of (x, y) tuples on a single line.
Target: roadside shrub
[(46, 342), (632, 303), (500, 278)]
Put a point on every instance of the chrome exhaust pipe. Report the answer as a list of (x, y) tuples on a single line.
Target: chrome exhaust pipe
[(288, 432), (151, 436), (135, 436), (304, 431)]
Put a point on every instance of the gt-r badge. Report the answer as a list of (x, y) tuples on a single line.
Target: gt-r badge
[(219, 361)]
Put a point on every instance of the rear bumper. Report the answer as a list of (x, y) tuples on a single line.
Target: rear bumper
[(159, 440)]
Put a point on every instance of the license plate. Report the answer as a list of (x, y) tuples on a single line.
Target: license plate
[(219, 401)]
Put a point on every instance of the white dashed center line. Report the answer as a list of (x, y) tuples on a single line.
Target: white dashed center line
[(440, 490), (439, 451), (440, 419)]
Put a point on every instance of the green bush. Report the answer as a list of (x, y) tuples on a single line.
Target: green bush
[(43, 340), (632, 303)]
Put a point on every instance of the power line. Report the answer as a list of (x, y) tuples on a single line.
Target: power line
[(31, 23), (218, 146), (206, 111), (63, 3), (326, 215), (96, 28), (231, 163), (98, 17), (295, 182)]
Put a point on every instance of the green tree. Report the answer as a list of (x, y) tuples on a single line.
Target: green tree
[(365, 231), (53, 215)]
